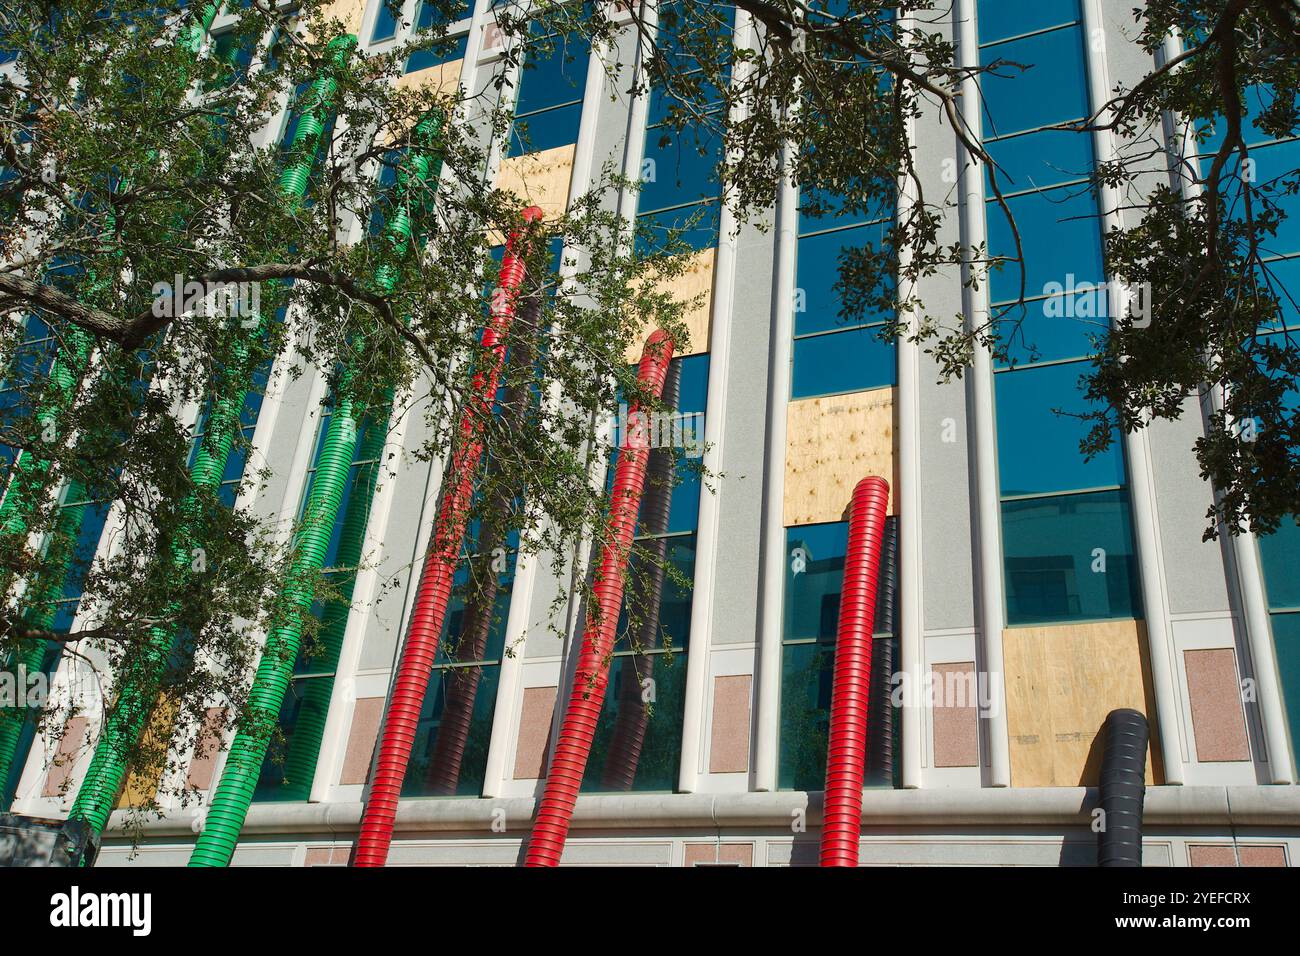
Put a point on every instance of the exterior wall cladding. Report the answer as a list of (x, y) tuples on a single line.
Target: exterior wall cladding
[(1030, 592)]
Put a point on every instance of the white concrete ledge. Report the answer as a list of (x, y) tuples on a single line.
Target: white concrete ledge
[(1273, 806)]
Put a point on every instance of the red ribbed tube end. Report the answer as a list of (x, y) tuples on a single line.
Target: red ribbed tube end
[(846, 748), (569, 763), (402, 716)]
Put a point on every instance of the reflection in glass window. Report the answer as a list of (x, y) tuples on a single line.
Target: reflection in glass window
[(552, 81), (813, 582), (385, 21), (1067, 539), (449, 756), (1069, 557), (638, 738)]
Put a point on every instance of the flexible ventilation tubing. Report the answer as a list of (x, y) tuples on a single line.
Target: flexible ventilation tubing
[(70, 364), (239, 777), (402, 715), (1123, 788), (591, 675), (645, 591), (461, 690), (139, 680), (846, 747)]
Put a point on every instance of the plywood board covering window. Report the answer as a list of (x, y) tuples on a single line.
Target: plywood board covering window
[(440, 79), (540, 179), (1061, 682), (832, 443), (349, 11), (694, 285)]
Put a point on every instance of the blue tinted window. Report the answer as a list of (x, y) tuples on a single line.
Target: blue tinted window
[(814, 579), (1275, 168), (1284, 279), (662, 104), (550, 77), (553, 127), (1055, 328), (448, 50), (1053, 89), (817, 305), (429, 16), (847, 361), (668, 625), (1038, 450), (1038, 160), (552, 81), (696, 225), (1069, 557), (834, 211), (683, 431), (1286, 641), (679, 167), (1059, 234), (385, 22), (1280, 554), (1255, 99), (1000, 19)]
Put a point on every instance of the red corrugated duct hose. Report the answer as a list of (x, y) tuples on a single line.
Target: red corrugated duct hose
[(846, 750), (418, 655), (591, 675), (461, 690), (645, 588)]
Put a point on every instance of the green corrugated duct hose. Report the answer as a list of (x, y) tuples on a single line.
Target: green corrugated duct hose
[(16, 505), (234, 792), (40, 601), (30, 476), (309, 728), (140, 683)]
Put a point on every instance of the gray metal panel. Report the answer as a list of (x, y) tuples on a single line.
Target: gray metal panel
[(737, 576), (1195, 572), (947, 490), (1194, 569)]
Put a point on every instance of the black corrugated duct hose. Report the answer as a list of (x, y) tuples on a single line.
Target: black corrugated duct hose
[(1123, 788)]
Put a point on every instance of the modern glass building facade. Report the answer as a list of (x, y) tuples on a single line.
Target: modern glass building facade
[(1104, 594)]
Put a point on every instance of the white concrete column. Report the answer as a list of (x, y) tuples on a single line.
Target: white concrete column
[(768, 723), (1245, 548), (988, 511), (909, 572), (1142, 489), (706, 532)]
